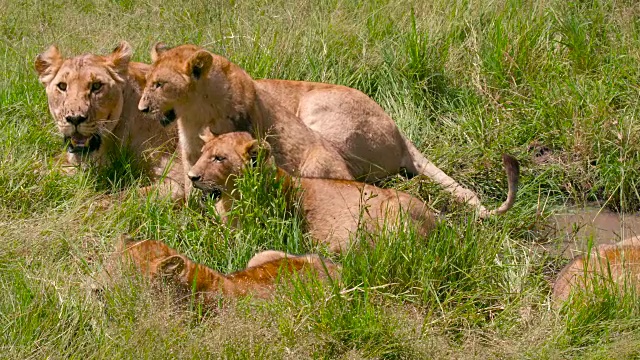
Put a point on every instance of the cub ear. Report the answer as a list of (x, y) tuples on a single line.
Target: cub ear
[(199, 64), (206, 135), (124, 240), (120, 57), (253, 149), (171, 266), (47, 64), (157, 50)]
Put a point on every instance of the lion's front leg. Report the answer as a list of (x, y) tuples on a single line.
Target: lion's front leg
[(65, 164), (169, 179), (167, 187)]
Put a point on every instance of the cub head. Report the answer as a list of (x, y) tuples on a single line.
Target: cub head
[(223, 159), (85, 94), (173, 76), (153, 258)]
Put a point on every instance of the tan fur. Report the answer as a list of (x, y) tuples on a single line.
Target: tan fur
[(273, 255), (266, 256), (333, 209), (156, 260), (201, 90), (105, 91), (229, 100), (619, 263)]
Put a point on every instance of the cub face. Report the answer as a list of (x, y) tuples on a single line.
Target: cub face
[(223, 159), (172, 78), (85, 94)]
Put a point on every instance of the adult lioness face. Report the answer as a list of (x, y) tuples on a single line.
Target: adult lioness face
[(223, 159), (85, 94)]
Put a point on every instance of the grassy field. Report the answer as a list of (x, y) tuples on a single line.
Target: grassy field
[(554, 83)]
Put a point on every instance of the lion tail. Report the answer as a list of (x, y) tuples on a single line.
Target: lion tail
[(419, 164)]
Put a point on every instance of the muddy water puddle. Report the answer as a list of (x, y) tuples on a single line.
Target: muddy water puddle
[(575, 226)]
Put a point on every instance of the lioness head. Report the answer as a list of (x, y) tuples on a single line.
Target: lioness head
[(223, 159), (173, 74), (85, 93)]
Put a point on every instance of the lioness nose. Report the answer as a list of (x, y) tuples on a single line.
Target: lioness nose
[(76, 120), (194, 178)]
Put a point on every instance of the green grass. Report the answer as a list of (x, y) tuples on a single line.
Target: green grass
[(554, 83)]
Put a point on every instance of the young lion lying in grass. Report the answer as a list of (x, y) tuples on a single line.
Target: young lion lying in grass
[(617, 263), (157, 260), (333, 209)]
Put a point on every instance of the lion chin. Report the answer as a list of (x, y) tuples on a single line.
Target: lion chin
[(80, 144), (208, 192)]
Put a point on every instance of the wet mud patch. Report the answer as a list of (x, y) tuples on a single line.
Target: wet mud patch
[(575, 226)]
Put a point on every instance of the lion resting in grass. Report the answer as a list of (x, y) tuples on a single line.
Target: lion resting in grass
[(201, 90), (314, 129), (156, 260), (333, 209), (93, 100), (618, 263)]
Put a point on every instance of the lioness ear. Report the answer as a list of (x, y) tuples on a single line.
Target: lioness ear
[(206, 135), (120, 57), (47, 64), (171, 266), (199, 64), (157, 50), (253, 149)]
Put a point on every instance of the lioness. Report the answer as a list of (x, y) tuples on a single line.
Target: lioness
[(155, 260), (333, 209), (201, 89), (619, 263), (93, 100)]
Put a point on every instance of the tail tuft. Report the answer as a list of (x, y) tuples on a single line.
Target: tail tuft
[(512, 167)]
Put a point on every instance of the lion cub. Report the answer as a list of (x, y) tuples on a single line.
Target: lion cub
[(619, 263), (157, 260), (333, 209)]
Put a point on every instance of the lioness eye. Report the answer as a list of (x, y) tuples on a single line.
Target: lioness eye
[(96, 86), (62, 86), (218, 158), (157, 84)]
